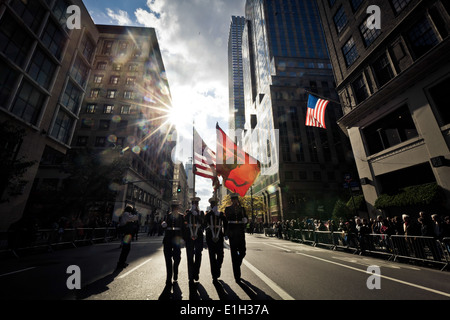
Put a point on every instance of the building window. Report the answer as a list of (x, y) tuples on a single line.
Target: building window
[(128, 95), (98, 79), (7, 80), (100, 141), (107, 47), (87, 123), (108, 109), (41, 69), (383, 70), (317, 175), (111, 94), (125, 110), (14, 40), (367, 34), (340, 19), (28, 103), (101, 65), (88, 48), (390, 130), (422, 37), (117, 67), (399, 5), (91, 108), (82, 141), (131, 81), (62, 127), (360, 89), (80, 72), (133, 67), (71, 98), (59, 10), (439, 96), (350, 52), (114, 80), (94, 93), (104, 124), (53, 38), (31, 12), (123, 47), (356, 4)]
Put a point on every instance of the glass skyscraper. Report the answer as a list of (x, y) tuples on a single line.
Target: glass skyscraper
[(235, 74), (285, 57)]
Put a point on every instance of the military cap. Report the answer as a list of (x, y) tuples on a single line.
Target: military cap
[(196, 199)]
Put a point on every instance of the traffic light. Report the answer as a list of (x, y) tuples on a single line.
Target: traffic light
[(179, 189)]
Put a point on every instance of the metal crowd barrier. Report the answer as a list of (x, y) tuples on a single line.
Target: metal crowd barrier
[(48, 239), (394, 246)]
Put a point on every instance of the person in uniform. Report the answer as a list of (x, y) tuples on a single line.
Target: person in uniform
[(193, 238), (236, 221), (126, 226), (172, 224), (215, 221)]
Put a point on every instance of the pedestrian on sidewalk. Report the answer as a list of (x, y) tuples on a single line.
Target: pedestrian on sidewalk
[(235, 231), (127, 229)]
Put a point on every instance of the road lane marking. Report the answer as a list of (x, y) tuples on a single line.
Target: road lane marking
[(278, 290), (135, 268), (385, 277), (283, 294), (13, 272)]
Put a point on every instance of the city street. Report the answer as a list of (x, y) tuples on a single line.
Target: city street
[(273, 269)]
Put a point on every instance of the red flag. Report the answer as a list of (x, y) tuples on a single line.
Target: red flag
[(238, 169)]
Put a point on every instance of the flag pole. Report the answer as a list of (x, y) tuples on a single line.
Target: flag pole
[(193, 158), (322, 97)]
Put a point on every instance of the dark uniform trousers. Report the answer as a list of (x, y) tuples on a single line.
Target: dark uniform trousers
[(194, 247), (172, 245), (236, 235), (215, 248)]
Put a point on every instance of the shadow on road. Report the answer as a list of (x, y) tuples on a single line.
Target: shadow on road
[(98, 286), (253, 292), (224, 291), (171, 292)]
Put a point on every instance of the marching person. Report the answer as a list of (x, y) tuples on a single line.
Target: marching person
[(172, 224), (215, 222), (194, 240), (237, 220), (126, 226)]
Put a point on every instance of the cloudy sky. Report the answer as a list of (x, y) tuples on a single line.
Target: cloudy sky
[(193, 38)]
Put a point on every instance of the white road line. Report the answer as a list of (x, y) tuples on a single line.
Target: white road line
[(9, 273), (283, 294), (385, 277), (135, 268), (278, 290)]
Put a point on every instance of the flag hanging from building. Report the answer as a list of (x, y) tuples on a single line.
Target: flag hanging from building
[(315, 114), (204, 159), (237, 168)]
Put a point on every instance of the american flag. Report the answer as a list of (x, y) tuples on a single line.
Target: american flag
[(315, 115), (204, 158)]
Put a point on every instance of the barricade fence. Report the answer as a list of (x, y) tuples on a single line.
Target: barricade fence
[(15, 242), (393, 247)]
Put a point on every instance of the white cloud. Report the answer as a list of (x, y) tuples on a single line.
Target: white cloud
[(121, 17)]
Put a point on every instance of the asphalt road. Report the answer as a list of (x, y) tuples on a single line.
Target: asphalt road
[(273, 270)]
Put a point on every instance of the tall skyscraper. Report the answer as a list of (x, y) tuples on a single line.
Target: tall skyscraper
[(392, 81), (235, 74), (284, 58), (44, 69)]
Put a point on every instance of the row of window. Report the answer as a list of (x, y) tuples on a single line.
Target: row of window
[(303, 175), (87, 123), (398, 126), (137, 194), (102, 65), (82, 141), (112, 94), (98, 78), (109, 109), (421, 37), (120, 48)]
